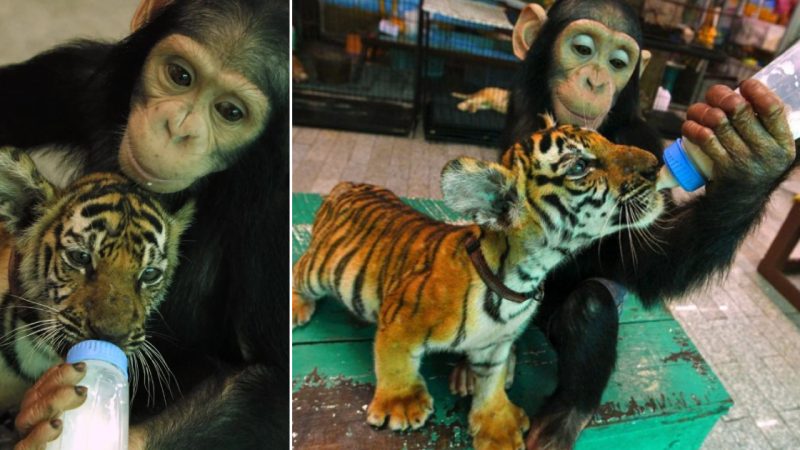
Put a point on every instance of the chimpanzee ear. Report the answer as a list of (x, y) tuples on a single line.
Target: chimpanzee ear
[(23, 190), (146, 11), (645, 59), (483, 191), (528, 25)]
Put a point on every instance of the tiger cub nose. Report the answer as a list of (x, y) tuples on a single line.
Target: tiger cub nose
[(117, 336)]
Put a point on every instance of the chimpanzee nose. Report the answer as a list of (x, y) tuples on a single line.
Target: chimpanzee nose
[(595, 85)]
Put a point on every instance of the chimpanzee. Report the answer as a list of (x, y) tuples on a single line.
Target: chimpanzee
[(581, 61), (193, 104)]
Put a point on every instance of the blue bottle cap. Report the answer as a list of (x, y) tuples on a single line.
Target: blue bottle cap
[(682, 167), (100, 351)]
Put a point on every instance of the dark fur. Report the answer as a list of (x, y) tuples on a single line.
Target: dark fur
[(234, 271), (624, 124), (699, 244)]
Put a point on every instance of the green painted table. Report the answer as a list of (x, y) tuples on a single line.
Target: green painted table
[(662, 394)]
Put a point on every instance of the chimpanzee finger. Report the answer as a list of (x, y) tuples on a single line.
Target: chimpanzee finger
[(715, 119), (49, 406), (40, 435), (771, 111), (62, 374), (704, 138), (756, 141), (705, 115)]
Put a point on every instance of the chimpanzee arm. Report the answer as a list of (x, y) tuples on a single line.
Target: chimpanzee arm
[(694, 242), (752, 156), (246, 409), (41, 99)]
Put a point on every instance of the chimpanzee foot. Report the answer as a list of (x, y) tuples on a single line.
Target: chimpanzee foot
[(556, 430)]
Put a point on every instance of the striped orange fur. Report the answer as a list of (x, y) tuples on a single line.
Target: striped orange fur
[(94, 262), (563, 188)]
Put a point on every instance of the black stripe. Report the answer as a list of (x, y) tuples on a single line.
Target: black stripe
[(554, 201), (492, 307), (358, 215), (154, 221), (430, 261), (529, 304), (545, 143), (485, 364), (95, 209), (358, 284), (462, 327), (149, 237), (559, 143), (592, 202), (542, 214)]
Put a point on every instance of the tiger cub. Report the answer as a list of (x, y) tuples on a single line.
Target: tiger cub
[(486, 98), (91, 262), (390, 264)]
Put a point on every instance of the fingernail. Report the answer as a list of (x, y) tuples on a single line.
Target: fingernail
[(80, 390), (79, 366), (55, 423)]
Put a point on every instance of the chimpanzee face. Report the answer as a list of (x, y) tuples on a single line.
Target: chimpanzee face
[(592, 64), (190, 113)]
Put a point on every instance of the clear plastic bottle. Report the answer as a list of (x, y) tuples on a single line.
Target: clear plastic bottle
[(687, 166), (101, 423)]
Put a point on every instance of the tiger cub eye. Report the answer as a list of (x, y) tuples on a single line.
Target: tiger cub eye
[(79, 258)]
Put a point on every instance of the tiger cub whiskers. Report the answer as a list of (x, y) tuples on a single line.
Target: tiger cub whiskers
[(560, 190), (92, 262)]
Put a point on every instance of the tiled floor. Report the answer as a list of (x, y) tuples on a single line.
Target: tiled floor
[(746, 331)]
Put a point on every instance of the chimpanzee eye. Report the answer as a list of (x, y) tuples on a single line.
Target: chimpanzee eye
[(229, 111), (150, 275), (179, 75), (79, 258), (583, 45), (583, 50), (578, 170), (619, 59)]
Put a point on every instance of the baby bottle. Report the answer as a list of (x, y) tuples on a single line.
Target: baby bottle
[(687, 166), (101, 422)]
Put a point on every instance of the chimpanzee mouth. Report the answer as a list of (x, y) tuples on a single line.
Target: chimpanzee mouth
[(583, 119), (129, 161)]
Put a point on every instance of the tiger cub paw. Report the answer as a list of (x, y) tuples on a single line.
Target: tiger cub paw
[(499, 428), (462, 378), (302, 310), (407, 409)]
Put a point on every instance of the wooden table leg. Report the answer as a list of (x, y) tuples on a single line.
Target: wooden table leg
[(776, 260)]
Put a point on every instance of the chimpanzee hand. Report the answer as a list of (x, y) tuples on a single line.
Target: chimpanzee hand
[(747, 136), (38, 421)]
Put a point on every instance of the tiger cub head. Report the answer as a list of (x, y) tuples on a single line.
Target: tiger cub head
[(94, 259), (565, 184)]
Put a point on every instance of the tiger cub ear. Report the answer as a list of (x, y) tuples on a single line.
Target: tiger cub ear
[(181, 220), (483, 191), (23, 190)]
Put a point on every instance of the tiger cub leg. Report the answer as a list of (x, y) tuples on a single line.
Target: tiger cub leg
[(304, 298), (494, 422), (400, 391), (462, 378)]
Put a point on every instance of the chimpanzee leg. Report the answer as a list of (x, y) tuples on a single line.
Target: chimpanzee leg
[(583, 330)]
